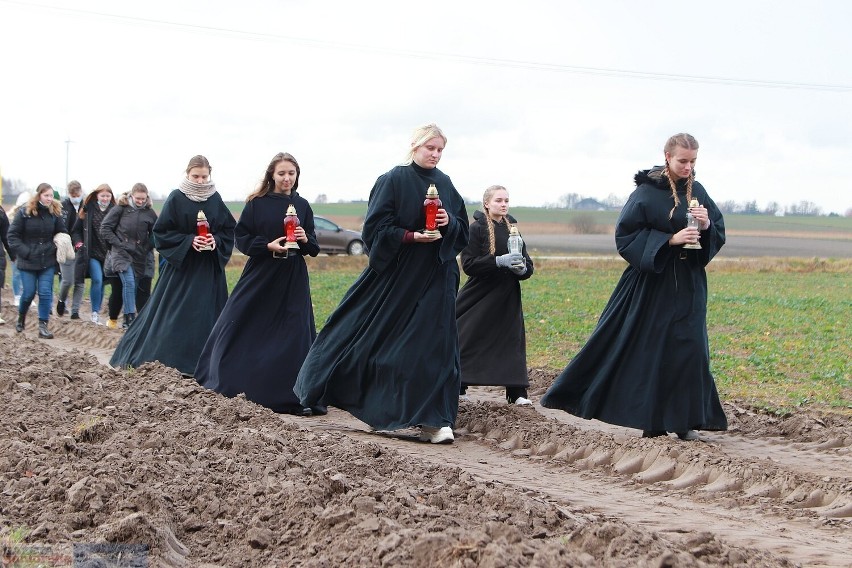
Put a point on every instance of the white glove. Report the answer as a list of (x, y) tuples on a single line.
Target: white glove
[(510, 259), (519, 269)]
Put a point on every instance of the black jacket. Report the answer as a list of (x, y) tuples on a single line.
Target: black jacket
[(31, 238), (4, 230)]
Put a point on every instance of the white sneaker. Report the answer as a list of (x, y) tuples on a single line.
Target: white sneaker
[(2, 321), (464, 398), (436, 435), (96, 318), (521, 401), (17, 301)]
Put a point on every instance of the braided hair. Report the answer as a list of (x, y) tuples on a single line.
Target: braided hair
[(687, 141), (486, 197)]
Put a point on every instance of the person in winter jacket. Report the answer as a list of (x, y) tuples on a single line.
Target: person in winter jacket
[(91, 249), (70, 208), (4, 230), (31, 236), (128, 230)]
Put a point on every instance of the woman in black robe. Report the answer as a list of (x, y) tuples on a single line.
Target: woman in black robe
[(489, 314), (191, 290), (647, 364), (389, 352), (269, 314)]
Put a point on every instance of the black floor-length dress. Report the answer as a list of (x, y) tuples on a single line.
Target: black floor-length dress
[(267, 326)]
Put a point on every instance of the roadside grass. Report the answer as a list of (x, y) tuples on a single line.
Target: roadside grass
[(779, 329)]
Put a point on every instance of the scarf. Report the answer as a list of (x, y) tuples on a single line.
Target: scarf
[(197, 192)]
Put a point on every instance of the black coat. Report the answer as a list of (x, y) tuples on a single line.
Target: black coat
[(31, 238), (4, 239), (70, 213), (647, 363), (191, 290), (88, 231), (389, 352), (129, 232), (269, 313), (489, 314)]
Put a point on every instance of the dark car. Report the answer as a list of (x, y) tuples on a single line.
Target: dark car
[(334, 239)]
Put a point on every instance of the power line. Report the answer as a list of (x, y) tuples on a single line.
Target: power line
[(467, 59)]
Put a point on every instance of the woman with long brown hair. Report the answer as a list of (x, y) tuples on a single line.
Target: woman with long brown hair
[(267, 326), (91, 249), (647, 364)]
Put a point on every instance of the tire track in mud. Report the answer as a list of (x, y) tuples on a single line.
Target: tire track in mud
[(655, 484)]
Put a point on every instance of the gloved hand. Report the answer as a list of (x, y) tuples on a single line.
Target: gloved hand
[(519, 269), (508, 259)]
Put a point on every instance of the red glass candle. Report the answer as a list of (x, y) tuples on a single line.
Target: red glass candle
[(202, 227), (291, 221), (430, 208)]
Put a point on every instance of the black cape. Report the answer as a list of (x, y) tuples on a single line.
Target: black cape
[(647, 363), (489, 314), (267, 326), (191, 290), (389, 353)]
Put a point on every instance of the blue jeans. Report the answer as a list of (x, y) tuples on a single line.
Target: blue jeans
[(96, 288), (128, 290), (17, 286), (43, 279)]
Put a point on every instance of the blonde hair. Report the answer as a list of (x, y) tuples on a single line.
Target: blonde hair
[(489, 193), (420, 136), (688, 142), (55, 207)]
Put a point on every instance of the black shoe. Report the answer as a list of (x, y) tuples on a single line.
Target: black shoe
[(653, 433), (688, 436), (60, 308), (42, 330), (75, 315), (318, 410), (22, 320)]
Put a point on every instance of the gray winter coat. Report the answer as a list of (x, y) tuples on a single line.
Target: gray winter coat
[(128, 231)]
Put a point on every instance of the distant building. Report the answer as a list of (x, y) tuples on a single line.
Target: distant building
[(589, 204)]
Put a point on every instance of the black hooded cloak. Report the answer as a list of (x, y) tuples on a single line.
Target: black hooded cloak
[(191, 290), (647, 363), (389, 352)]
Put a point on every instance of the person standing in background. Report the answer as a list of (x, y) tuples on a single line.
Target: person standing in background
[(70, 208), (647, 363), (4, 248), (91, 249), (128, 229), (489, 313), (192, 289), (389, 353), (31, 238)]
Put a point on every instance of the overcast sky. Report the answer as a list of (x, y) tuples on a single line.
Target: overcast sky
[(545, 98)]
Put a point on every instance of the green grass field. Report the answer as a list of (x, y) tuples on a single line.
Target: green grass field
[(779, 330)]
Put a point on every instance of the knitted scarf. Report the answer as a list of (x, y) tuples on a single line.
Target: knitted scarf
[(197, 191)]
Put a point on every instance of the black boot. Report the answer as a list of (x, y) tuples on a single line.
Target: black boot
[(42, 330), (128, 319), (22, 320)]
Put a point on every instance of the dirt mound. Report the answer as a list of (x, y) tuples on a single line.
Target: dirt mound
[(89, 454)]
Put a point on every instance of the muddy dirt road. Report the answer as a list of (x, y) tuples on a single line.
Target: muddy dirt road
[(89, 454)]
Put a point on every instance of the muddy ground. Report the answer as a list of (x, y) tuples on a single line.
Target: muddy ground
[(89, 454)]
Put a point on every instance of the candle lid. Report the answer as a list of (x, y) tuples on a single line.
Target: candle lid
[(202, 216), (432, 191), (291, 209), (693, 202), (513, 230)]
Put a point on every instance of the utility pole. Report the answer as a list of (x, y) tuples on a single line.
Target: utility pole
[(67, 147)]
